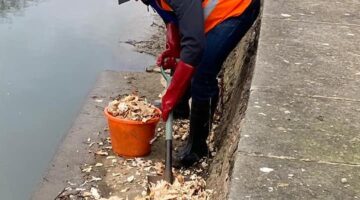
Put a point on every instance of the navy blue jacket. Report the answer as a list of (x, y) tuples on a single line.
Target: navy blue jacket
[(188, 15)]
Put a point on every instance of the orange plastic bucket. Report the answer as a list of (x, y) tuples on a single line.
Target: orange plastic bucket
[(131, 138)]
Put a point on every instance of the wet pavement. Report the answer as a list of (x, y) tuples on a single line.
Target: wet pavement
[(51, 52)]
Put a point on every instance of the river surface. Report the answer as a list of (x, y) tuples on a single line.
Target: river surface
[(51, 52)]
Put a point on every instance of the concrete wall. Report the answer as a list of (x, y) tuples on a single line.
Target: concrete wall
[(235, 81)]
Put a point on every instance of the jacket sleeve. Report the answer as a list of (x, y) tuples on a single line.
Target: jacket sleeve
[(190, 17), (167, 17)]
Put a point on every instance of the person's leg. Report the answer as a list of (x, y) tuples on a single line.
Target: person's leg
[(182, 109), (204, 89)]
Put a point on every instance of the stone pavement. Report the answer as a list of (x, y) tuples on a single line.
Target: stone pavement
[(301, 133)]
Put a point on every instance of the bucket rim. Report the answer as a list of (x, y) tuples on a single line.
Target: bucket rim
[(128, 121)]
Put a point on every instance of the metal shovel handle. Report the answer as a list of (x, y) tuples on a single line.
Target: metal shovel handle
[(169, 121), (168, 136)]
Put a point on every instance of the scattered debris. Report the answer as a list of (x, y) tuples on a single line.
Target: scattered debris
[(93, 178), (130, 179), (95, 193), (159, 168), (344, 180), (287, 112), (204, 164), (266, 169), (102, 153), (285, 15), (87, 170), (86, 194), (270, 189), (181, 130), (71, 184), (125, 176), (283, 184), (180, 189), (99, 165), (116, 174)]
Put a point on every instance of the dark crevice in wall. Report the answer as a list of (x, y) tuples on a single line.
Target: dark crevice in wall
[(235, 82)]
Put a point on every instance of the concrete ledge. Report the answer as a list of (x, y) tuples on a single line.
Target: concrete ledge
[(303, 116), (73, 152)]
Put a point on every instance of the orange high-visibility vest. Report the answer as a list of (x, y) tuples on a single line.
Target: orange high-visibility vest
[(216, 11)]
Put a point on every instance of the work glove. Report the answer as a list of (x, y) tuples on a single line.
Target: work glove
[(167, 59), (179, 84)]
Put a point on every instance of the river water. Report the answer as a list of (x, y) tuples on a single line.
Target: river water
[(51, 52)]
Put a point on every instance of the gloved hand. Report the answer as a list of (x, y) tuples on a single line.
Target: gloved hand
[(179, 83), (167, 59)]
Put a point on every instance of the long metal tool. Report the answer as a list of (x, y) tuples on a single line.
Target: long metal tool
[(168, 175), (168, 138)]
